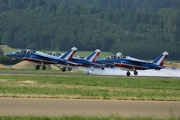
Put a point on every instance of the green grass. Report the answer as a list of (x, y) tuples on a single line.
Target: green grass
[(91, 87), (82, 118), (7, 49), (86, 87)]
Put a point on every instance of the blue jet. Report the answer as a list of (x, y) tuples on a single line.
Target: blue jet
[(43, 59), (133, 64)]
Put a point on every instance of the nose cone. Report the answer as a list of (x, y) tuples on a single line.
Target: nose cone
[(9, 55)]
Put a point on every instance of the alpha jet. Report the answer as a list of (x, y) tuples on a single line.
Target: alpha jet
[(43, 59), (133, 64)]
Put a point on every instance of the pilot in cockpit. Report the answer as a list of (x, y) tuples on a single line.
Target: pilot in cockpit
[(119, 55)]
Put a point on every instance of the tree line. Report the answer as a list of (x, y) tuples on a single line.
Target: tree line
[(59, 25), (135, 5)]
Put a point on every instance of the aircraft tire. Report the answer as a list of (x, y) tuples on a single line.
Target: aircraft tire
[(44, 67), (135, 72), (37, 67), (128, 73), (63, 69), (69, 68), (87, 72)]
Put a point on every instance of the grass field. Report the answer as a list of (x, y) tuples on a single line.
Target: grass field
[(89, 87), (81, 118), (7, 49), (55, 84)]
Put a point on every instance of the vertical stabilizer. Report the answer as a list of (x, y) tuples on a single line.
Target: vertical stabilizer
[(92, 57), (161, 59), (69, 54)]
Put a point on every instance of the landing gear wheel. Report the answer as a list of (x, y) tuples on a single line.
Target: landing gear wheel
[(44, 67), (37, 67), (69, 68), (87, 72), (135, 72), (102, 68), (128, 73), (63, 69)]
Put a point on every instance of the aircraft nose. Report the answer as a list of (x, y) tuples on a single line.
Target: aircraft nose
[(8, 55)]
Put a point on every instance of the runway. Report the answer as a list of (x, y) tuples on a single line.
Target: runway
[(88, 107), (66, 74)]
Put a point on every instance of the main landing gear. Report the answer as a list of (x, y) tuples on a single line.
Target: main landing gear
[(128, 73), (44, 67), (64, 69), (38, 67)]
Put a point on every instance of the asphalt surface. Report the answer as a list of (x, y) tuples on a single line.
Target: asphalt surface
[(86, 107)]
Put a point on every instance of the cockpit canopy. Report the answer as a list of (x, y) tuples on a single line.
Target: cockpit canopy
[(54, 54), (25, 51), (117, 56)]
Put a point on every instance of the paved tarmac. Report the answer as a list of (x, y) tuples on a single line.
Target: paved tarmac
[(88, 107)]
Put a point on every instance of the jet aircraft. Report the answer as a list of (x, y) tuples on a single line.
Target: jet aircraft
[(133, 64), (43, 59)]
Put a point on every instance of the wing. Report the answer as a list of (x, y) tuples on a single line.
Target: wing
[(73, 63), (131, 59)]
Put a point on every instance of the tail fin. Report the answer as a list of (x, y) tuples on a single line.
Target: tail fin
[(92, 57), (160, 59), (69, 54)]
